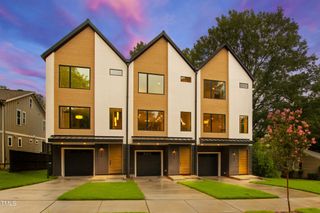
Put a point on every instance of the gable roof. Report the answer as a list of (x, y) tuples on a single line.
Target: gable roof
[(76, 31), (228, 47), (164, 35)]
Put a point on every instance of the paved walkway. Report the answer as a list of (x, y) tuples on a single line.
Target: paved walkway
[(162, 195)]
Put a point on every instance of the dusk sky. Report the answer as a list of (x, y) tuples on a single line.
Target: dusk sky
[(29, 27)]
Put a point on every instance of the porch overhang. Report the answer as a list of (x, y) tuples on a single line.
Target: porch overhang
[(225, 141), (162, 140), (85, 139)]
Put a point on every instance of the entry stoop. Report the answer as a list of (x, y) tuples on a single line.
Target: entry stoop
[(183, 177)]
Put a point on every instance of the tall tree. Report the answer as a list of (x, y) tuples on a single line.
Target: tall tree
[(137, 48), (270, 46)]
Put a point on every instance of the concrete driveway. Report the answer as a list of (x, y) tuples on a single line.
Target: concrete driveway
[(162, 195)]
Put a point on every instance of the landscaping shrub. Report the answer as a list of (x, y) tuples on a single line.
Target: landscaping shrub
[(313, 176)]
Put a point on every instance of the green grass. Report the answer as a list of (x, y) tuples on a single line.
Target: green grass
[(16, 179), (221, 190), (304, 210), (303, 185), (259, 211), (104, 191)]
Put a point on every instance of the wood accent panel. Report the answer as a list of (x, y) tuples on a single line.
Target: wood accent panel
[(215, 69), (185, 160), (115, 159), (243, 162), (154, 60), (79, 51)]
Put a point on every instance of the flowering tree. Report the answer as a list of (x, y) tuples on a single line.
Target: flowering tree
[(288, 137)]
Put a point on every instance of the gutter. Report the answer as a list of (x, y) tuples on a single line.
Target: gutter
[(127, 125), (195, 167)]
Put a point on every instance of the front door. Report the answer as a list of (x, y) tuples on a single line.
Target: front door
[(243, 162), (115, 159), (185, 161)]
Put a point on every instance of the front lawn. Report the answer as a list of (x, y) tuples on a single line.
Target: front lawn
[(16, 179), (104, 191), (304, 185), (226, 191)]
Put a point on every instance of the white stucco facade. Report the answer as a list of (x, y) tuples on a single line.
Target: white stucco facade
[(240, 99), (50, 95), (181, 95), (109, 90), (130, 101)]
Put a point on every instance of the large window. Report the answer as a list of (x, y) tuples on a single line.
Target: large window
[(151, 83), (150, 120), (24, 118), (185, 121), (214, 89), (74, 77), (115, 118), (243, 123), (214, 123), (74, 117)]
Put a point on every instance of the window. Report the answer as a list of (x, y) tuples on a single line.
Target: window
[(18, 117), (244, 85), (74, 117), (19, 142), (150, 120), (24, 118), (243, 123), (116, 72), (151, 83), (74, 77), (215, 123), (44, 125), (9, 140), (185, 121), (185, 79), (36, 142), (115, 118), (214, 89), (30, 140), (30, 103)]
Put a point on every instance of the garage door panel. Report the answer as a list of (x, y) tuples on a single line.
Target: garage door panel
[(208, 165), (78, 162), (148, 164)]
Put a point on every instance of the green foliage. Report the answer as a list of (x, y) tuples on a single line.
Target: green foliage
[(308, 210), (262, 163), (139, 46)]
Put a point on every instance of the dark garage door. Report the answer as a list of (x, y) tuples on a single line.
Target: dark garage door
[(78, 162), (148, 164), (208, 164)]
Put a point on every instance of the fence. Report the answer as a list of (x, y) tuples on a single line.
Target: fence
[(20, 161)]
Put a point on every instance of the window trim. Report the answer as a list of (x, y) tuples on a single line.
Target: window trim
[(211, 94), (147, 83), (24, 118), (110, 118), (211, 118), (70, 117), (62, 65), (190, 122), (146, 110), (116, 70), (11, 141), (19, 140), (240, 124), (18, 110)]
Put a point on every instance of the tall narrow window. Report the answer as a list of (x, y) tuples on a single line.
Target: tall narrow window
[(30, 103), (151, 83), (215, 123), (243, 124), (74, 77), (150, 120), (9, 140), (115, 118), (74, 117), (18, 117), (214, 89), (185, 121), (24, 118), (19, 142)]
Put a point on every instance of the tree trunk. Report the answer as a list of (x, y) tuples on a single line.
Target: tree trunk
[(289, 207)]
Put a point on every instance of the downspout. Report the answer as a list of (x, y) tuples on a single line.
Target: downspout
[(127, 125), (195, 167), (2, 103)]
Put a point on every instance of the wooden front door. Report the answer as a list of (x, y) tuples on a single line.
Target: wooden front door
[(185, 161), (115, 159), (243, 162)]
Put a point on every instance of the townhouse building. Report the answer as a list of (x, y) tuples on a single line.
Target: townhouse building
[(154, 114)]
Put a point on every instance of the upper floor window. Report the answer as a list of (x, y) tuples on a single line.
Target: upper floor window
[(74, 77), (24, 118), (116, 72), (243, 119), (44, 125), (185, 121), (215, 123), (19, 142), (151, 83), (115, 118), (9, 140), (150, 120), (18, 117), (74, 117), (244, 85), (214, 89), (185, 79), (30, 102)]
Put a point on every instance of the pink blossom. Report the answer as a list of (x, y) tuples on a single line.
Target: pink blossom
[(269, 129), (286, 110), (299, 127), (291, 118), (289, 130), (301, 132), (277, 112), (305, 124), (313, 141)]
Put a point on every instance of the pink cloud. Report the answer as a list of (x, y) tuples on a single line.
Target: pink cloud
[(4, 13), (24, 83)]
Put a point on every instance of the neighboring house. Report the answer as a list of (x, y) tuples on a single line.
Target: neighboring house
[(22, 125), (310, 163), (152, 115)]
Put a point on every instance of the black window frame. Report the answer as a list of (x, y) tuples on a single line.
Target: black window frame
[(211, 92), (147, 115), (182, 77), (247, 117), (211, 123), (18, 118), (110, 121), (147, 83), (70, 117), (189, 130), (70, 66)]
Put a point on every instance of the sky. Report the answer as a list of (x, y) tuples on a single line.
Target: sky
[(29, 27)]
